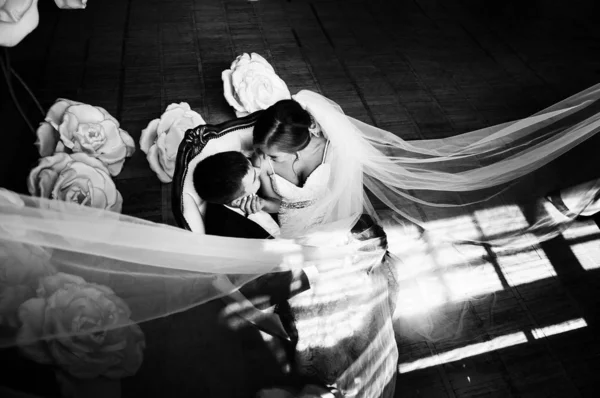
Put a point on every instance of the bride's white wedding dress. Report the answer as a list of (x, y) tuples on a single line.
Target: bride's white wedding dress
[(297, 202), (344, 322)]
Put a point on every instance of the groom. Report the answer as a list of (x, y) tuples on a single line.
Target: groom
[(223, 178)]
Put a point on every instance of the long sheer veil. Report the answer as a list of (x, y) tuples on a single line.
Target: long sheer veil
[(387, 176), (157, 270)]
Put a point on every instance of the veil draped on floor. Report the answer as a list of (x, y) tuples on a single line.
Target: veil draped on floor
[(153, 270)]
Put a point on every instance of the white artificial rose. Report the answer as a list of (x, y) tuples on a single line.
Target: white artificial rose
[(18, 18), (76, 178), (21, 267), (83, 328), (73, 127), (251, 84), (71, 4), (161, 138)]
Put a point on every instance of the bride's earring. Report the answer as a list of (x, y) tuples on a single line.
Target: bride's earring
[(313, 129)]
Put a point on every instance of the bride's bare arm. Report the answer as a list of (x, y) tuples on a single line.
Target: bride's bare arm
[(271, 202)]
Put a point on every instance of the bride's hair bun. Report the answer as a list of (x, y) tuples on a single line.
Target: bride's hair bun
[(284, 125)]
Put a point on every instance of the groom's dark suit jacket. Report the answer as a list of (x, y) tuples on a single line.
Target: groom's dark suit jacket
[(278, 286)]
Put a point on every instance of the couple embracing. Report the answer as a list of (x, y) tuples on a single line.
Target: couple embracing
[(298, 181)]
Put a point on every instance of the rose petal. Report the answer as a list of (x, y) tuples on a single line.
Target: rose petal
[(13, 11), (45, 182), (67, 128), (107, 116), (175, 136), (71, 4), (114, 148), (61, 186), (47, 139), (168, 118), (129, 143), (116, 168), (29, 336), (133, 354), (163, 155), (228, 91), (57, 110), (86, 179), (50, 284), (90, 161), (31, 315), (56, 163), (118, 203), (261, 60), (240, 61), (154, 163), (149, 135), (86, 113), (12, 33), (182, 105), (197, 119)]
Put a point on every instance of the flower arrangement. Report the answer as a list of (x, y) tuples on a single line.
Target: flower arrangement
[(74, 127), (251, 84), (18, 18), (161, 138), (82, 328), (22, 267), (77, 178), (81, 147)]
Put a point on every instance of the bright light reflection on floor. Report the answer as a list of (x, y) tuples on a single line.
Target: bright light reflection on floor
[(488, 346), (559, 328), (464, 352), (587, 253), (525, 267)]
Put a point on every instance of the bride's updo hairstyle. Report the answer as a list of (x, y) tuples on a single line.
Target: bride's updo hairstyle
[(284, 126)]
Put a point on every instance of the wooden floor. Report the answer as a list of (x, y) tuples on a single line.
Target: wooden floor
[(420, 68)]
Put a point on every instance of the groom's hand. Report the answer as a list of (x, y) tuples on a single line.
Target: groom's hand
[(251, 204)]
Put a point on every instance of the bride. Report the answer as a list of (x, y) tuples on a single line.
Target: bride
[(325, 168)]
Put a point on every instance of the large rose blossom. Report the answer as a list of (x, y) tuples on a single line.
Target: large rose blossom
[(71, 4), (73, 127), (76, 178), (21, 267), (82, 328), (251, 84), (161, 138), (18, 18)]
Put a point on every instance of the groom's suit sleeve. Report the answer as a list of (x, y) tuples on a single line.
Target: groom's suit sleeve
[(269, 289)]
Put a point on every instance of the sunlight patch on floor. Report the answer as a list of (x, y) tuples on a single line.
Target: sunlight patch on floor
[(525, 267), (587, 252), (433, 272), (501, 219), (495, 344), (559, 328), (464, 352)]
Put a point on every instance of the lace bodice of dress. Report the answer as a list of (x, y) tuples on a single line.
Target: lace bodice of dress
[(297, 211)]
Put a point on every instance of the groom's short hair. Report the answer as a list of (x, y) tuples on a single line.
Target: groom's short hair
[(218, 178)]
